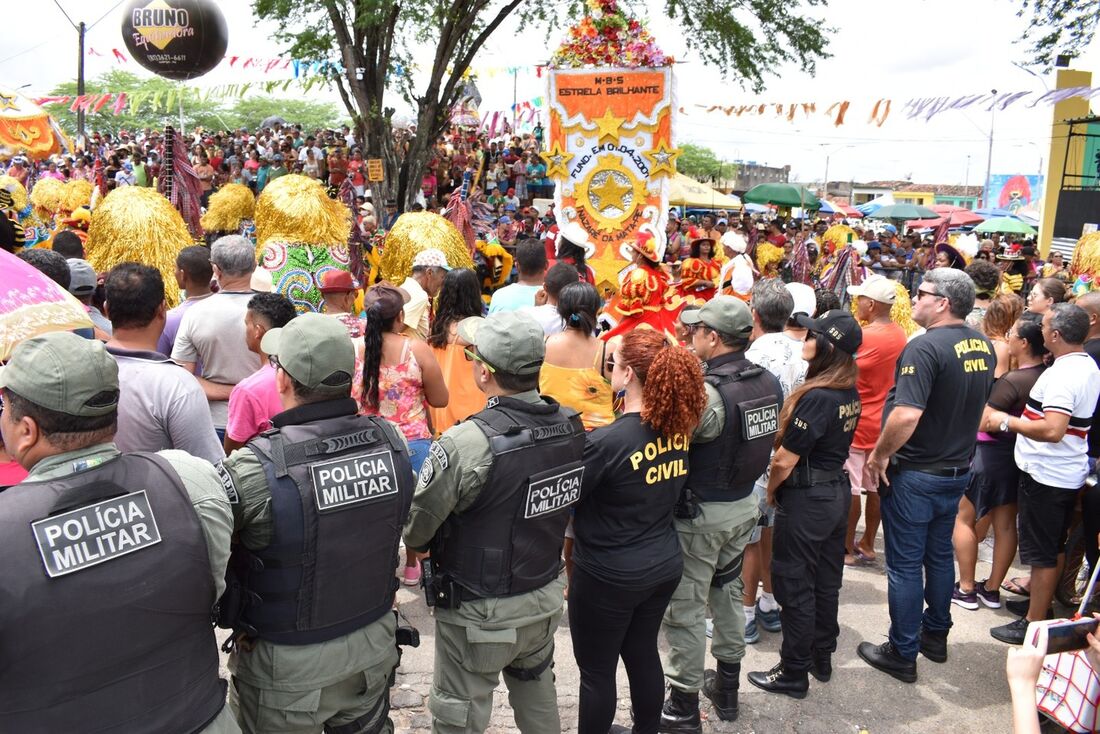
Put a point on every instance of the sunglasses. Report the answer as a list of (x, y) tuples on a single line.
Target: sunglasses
[(921, 294), (474, 357)]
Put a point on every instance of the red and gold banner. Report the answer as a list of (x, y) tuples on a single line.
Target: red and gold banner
[(610, 151)]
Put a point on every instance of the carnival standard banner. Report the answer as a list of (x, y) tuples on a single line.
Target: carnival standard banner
[(610, 152)]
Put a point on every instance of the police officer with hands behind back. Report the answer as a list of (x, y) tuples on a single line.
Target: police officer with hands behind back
[(717, 513), (112, 562), (318, 502), (492, 503), (808, 482)]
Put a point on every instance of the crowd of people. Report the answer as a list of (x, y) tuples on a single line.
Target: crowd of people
[(696, 450)]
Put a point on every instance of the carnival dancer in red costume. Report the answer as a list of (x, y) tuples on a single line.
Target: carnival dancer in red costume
[(645, 299), (698, 273)]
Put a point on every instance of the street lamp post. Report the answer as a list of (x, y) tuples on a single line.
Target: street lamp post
[(989, 156)]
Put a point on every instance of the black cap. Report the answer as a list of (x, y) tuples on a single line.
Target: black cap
[(838, 326)]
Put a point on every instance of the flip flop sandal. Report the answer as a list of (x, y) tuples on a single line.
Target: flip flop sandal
[(859, 559), (1013, 586)]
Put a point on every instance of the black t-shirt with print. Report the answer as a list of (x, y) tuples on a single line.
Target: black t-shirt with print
[(822, 427), (1010, 393), (623, 523), (947, 372)]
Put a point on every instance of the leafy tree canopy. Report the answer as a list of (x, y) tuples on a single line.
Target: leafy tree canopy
[(1058, 27), (703, 164)]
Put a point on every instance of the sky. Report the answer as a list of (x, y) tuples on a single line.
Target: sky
[(899, 51)]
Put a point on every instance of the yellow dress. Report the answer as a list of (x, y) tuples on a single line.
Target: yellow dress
[(582, 389)]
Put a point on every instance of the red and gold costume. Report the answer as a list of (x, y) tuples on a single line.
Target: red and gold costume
[(645, 299), (698, 281)]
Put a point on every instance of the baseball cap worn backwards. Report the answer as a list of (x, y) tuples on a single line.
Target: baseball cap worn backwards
[(724, 314), (64, 372), (313, 349), (508, 341)]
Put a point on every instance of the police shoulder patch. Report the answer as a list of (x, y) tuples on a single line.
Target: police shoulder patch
[(227, 483), (427, 473), (438, 453)]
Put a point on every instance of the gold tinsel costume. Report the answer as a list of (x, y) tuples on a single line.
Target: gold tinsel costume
[(301, 234), (136, 224), (837, 236), (414, 232), (1085, 266), (36, 228), (901, 313), (768, 257), (231, 209), (77, 193)]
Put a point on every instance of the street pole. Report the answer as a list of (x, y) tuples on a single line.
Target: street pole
[(515, 121), (989, 157), (80, 83), (825, 185)]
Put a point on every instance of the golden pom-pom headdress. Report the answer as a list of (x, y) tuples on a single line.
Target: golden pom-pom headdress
[(232, 203), (17, 190), (76, 193), (295, 209), (136, 224), (417, 231), (46, 197)]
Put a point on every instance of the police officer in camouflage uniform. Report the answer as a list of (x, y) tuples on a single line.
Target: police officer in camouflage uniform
[(319, 502), (491, 504), (717, 513), (112, 562)]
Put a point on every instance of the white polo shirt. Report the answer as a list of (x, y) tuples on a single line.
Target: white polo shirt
[(1071, 386)]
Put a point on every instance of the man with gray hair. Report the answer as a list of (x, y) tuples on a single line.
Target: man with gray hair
[(921, 464), (1052, 454), (212, 331)]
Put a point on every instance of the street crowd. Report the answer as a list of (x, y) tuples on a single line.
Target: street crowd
[(700, 473)]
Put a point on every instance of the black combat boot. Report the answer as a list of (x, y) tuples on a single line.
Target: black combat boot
[(933, 645), (680, 714), (780, 680), (822, 668), (721, 688)]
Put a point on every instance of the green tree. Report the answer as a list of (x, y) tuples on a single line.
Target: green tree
[(1058, 27), (251, 111), (703, 164), (374, 39)]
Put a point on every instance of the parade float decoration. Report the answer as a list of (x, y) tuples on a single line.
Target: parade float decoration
[(301, 234), (136, 224), (231, 211), (610, 145), (414, 232), (27, 129), (1085, 266)]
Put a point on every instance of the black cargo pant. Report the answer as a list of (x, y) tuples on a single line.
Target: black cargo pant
[(808, 567)]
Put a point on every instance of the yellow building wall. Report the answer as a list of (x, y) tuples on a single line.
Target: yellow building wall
[(920, 198), (1070, 109)]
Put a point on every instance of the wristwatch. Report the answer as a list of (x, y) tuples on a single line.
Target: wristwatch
[(1003, 428)]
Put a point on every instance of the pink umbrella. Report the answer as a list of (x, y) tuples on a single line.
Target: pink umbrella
[(956, 216), (32, 304)]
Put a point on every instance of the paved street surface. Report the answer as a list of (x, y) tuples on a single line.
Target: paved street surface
[(967, 693)]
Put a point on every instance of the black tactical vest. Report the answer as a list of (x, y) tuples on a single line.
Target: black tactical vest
[(509, 540), (106, 594), (341, 488), (725, 469)]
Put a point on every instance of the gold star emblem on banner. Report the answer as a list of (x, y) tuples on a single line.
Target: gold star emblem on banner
[(7, 102), (663, 159), (557, 161), (608, 126), (611, 193)]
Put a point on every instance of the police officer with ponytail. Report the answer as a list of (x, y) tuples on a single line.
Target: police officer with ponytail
[(112, 562), (491, 504), (717, 513), (808, 483), (318, 502)]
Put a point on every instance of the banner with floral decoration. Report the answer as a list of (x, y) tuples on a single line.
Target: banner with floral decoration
[(610, 139)]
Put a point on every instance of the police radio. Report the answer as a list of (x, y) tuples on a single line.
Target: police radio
[(687, 508)]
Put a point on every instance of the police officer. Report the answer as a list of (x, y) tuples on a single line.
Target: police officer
[(717, 513), (112, 562), (318, 502), (492, 503), (807, 478)]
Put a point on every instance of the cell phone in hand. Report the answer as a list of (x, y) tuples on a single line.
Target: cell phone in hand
[(1068, 636)]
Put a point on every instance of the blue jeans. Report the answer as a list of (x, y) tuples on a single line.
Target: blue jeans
[(918, 517)]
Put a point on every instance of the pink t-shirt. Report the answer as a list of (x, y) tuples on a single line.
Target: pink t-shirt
[(252, 405)]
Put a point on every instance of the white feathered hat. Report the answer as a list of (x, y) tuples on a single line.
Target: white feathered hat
[(576, 234)]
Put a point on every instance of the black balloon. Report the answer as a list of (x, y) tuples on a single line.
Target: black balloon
[(177, 39)]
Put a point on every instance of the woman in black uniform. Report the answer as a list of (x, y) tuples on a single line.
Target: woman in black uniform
[(808, 485), (626, 555)]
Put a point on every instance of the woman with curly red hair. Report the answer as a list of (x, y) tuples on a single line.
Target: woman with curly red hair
[(627, 559)]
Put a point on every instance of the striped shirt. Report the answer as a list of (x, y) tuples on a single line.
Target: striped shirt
[(1070, 386)]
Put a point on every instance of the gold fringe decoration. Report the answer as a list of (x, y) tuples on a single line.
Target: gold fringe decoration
[(901, 313), (136, 224), (17, 190), (232, 203), (46, 197), (837, 236), (77, 193), (767, 255), (414, 232), (296, 209), (1086, 257)]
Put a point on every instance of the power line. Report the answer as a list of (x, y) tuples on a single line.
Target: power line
[(26, 51), (93, 25), (55, 2)]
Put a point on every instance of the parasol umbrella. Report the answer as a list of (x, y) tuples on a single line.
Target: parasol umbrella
[(32, 304), (903, 211), (956, 216), (272, 121), (837, 209), (26, 128), (1006, 225), (782, 194)]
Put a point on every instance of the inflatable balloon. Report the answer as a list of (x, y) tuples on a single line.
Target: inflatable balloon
[(177, 39)]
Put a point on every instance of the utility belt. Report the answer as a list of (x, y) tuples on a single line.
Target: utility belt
[(687, 508), (803, 476), (936, 470), (440, 590)]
